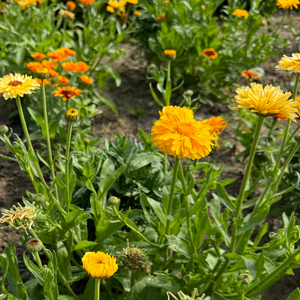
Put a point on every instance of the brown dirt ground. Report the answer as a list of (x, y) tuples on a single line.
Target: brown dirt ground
[(137, 110)]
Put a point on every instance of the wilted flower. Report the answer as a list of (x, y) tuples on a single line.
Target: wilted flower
[(241, 13), (99, 265), (210, 53), (249, 74), (17, 85), (162, 18), (67, 14)]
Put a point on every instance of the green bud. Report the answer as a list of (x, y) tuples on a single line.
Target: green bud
[(275, 236), (57, 146), (86, 141), (3, 129), (82, 159), (188, 94), (245, 278), (39, 198), (114, 201), (34, 245)]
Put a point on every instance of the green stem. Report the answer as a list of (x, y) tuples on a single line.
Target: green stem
[(48, 137), (165, 163), (97, 288), (67, 164), (263, 284), (19, 105), (167, 101), (240, 199), (170, 204), (37, 259), (187, 209), (132, 281)]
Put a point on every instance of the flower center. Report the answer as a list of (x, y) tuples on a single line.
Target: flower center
[(209, 53), (185, 129), (67, 94), (15, 83)]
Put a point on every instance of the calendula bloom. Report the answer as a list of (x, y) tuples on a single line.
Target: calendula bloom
[(210, 53), (123, 17), (280, 117), (68, 51), (39, 81), (38, 56), (19, 217), (3, 6), (132, 1), (68, 66), (26, 3), (53, 73), (87, 2), (86, 79), (99, 264), (81, 67), (33, 66), (138, 13), (288, 4), (70, 5), (291, 64), (72, 115), (250, 74), (17, 85), (116, 4), (67, 14), (217, 125), (170, 53), (166, 1), (67, 92), (61, 54), (177, 133), (162, 18), (264, 21), (268, 101), (48, 64), (241, 13), (63, 79), (110, 9)]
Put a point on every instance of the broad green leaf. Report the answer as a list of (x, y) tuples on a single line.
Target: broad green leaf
[(295, 295), (260, 234), (179, 245), (64, 260), (84, 244), (225, 198), (156, 206), (34, 269)]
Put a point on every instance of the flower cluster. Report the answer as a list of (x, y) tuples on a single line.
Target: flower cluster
[(116, 4), (177, 133)]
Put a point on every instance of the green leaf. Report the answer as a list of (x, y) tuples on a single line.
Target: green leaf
[(216, 296), (259, 265), (295, 295), (167, 94), (155, 96), (190, 179), (179, 245), (142, 160), (64, 260), (165, 198), (4, 262), (225, 198), (156, 206), (20, 55), (260, 234), (36, 116), (84, 244), (35, 270)]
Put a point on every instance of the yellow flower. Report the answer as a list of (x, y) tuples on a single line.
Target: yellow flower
[(291, 64), (170, 53), (99, 265), (210, 53), (241, 13), (269, 101), (72, 115), (177, 133), (138, 13), (288, 4), (26, 3), (132, 1), (117, 4), (217, 125), (17, 85), (110, 9)]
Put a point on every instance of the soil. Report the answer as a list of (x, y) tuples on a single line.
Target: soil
[(137, 110)]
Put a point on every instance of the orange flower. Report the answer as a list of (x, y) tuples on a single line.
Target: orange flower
[(63, 79), (71, 5), (81, 67), (87, 2), (280, 117), (38, 56), (53, 73), (110, 9), (68, 51), (49, 64), (68, 66), (39, 1), (58, 55), (250, 74), (162, 18), (33, 66), (86, 79), (39, 81), (210, 53), (67, 92)]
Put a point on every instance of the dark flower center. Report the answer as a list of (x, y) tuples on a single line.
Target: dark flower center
[(15, 83)]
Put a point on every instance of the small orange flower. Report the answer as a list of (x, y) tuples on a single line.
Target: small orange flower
[(39, 1), (53, 73), (87, 2), (68, 51), (210, 53), (81, 67), (170, 53), (110, 9), (58, 55), (68, 66), (71, 5), (240, 13), (138, 13), (33, 66), (38, 56), (86, 79), (63, 79), (67, 92), (49, 64), (162, 18), (250, 74), (39, 81)]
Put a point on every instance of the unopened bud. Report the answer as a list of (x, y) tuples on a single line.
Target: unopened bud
[(3, 129), (82, 159), (275, 236), (114, 201), (72, 115), (34, 245), (86, 140), (42, 73), (188, 93), (245, 279)]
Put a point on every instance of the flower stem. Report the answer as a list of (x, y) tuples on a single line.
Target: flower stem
[(97, 289), (170, 204), (67, 164), (48, 137), (165, 163), (19, 105), (37, 259)]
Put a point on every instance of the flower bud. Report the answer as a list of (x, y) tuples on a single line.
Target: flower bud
[(34, 245), (171, 54), (42, 73), (57, 146), (86, 141), (152, 68), (275, 236), (82, 159), (72, 115), (39, 198), (3, 129), (245, 278), (188, 94), (114, 201)]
